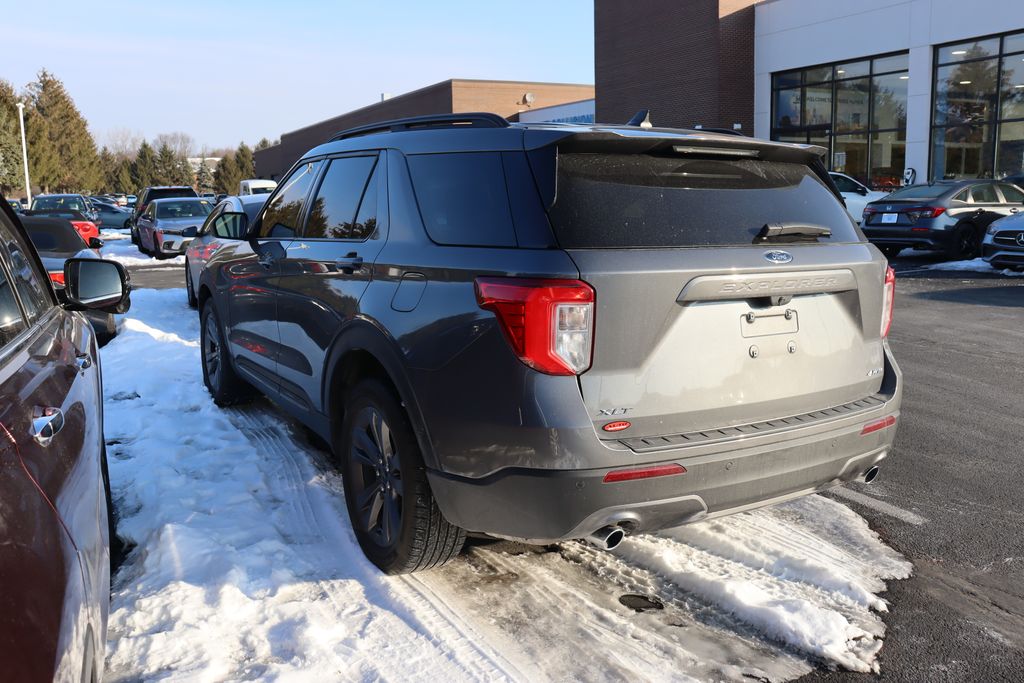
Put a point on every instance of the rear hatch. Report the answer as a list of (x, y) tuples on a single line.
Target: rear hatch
[(700, 323)]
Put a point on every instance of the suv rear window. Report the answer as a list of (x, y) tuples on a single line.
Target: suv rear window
[(50, 234), (163, 193), (463, 199), (639, 200)]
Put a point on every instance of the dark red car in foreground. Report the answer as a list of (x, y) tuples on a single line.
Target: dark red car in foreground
[(55, 521)]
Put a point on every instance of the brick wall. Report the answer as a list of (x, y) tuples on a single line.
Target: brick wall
[(457, 95), (688, 61)]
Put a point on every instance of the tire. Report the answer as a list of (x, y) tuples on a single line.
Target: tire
[(190, 291), (224, 385), (392, 510), (109, 331), (135, 237), (891, 252), (965, 243)]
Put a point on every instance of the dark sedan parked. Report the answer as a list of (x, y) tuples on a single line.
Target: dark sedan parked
[(947, 216), (55, 523), (56, 241)]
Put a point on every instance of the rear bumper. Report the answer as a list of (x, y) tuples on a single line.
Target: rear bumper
[(906, 237), (540, 505), (544, 506)]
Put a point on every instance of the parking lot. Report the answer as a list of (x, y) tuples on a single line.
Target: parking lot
[(945, 499)]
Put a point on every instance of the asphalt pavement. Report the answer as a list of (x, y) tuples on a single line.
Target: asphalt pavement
[(950, 495)]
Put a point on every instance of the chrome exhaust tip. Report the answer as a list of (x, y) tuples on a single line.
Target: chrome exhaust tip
[(870, 475), (607, 537)]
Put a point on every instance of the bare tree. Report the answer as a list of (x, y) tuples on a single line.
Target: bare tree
[(123, 143), (182, 144)]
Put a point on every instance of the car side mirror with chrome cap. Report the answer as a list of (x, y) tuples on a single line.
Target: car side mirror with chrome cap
[(95, 284), (190, 231)]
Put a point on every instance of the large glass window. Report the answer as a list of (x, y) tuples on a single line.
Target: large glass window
[(978, 120), (856, 110)]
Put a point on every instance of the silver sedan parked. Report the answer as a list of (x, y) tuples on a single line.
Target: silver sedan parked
[(220, 223), (167, 226), (1003, 246)]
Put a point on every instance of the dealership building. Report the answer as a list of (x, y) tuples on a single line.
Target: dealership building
[(934, 86)]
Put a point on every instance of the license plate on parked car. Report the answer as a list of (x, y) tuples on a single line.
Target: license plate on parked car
[(890, 217)]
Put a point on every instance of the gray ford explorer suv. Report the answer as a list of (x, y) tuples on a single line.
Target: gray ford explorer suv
[(549, 332)]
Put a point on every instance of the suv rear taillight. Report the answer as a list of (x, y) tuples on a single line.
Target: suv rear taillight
[(57, 277), (888, 298), (548, 323)]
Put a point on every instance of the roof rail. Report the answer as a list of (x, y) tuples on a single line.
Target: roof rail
[(469, 120)]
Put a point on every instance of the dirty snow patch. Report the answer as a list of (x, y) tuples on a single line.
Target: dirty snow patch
[(976, 265)]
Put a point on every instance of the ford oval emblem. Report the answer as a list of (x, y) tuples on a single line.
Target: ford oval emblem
[(776, 256)]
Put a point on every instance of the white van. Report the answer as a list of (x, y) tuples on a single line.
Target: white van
[(256, 186)]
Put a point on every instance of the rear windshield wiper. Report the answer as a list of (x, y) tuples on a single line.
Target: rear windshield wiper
[(791, 232)]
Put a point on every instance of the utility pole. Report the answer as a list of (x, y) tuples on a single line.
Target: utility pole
[(24, 152)]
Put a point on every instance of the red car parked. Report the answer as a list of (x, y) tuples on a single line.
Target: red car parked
[(55, 514)]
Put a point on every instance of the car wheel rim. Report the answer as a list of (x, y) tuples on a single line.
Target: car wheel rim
[(211, 350), (376, 477)]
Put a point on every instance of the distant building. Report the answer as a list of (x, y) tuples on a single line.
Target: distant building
[(211, 163), (511, 99), (570, 112)]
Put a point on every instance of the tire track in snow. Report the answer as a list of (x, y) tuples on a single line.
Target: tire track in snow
[(443, 626)]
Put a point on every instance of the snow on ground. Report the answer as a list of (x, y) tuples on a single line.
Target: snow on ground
[(245, 566), (117, 246), (977, 265)]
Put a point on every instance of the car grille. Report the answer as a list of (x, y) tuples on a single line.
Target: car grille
[(1008, 238), (658, 443)]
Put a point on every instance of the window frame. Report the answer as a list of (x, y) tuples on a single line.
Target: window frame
[(996, 122), (808, 134), (37, 267), (303, 212), (322, 176)]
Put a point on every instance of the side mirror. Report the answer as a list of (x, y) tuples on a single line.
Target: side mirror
[(862, 191), (95, 243), (190, 231), (231, 225), (95, 284)]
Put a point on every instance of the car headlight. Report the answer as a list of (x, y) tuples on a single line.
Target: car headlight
[(993, 228)]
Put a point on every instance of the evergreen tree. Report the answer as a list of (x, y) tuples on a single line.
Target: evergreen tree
[(67, 135), (166, 166), (183, 174), (244, 161), (227, 176), (43, 164), (204, 177), (262, 144), (144, 167), (10, 140), (109, 167), (121, 180)]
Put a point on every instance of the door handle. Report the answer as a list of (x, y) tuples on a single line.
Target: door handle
[(45, 424), (83, 362), (350, 263)]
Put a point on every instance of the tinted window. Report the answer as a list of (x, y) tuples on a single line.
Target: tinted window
[(53, 235), (60, 202), (920, 192), (366, 220), (637, 200), (165, 192), (333, 213), (1011, 193), (985, 194), (30, 282), (845, 184), (182, 209), (281, 218), (11, 322), (462, 198)]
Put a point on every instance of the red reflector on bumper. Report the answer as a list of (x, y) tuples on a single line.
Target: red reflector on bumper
[(644, 473), (617, 426), (877, 425)]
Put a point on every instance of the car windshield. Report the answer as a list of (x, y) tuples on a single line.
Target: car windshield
[(53, 235), (182, 209), (47, 203), (920, 192), (260, 190)]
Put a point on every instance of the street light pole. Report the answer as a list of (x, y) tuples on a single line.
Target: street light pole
[(24, 152)]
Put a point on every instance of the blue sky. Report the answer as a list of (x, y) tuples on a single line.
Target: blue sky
[(227, 72)]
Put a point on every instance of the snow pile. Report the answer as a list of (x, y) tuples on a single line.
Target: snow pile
[(117, 246), (976, 265), (246, 567)]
